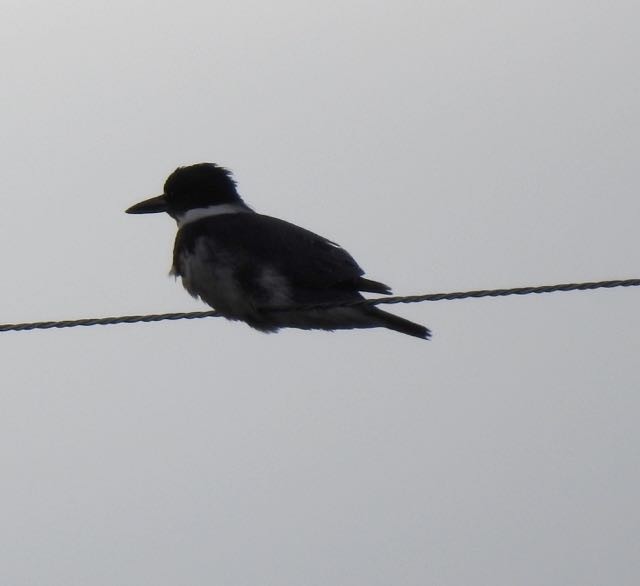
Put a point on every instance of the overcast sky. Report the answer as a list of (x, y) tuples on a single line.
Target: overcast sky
[(448, 145)]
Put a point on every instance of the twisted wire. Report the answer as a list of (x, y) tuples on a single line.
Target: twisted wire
[(130, 319)]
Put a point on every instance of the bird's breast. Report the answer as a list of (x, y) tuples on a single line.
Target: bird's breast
[(229, 281)]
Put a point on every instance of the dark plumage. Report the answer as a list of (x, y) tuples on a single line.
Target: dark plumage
[(243, 263)]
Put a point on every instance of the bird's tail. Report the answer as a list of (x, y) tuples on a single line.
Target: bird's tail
[(399, 324)]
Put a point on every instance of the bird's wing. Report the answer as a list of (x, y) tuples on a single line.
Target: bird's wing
[(305, 258)]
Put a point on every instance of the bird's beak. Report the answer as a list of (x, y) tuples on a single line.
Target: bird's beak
[(149, 206)]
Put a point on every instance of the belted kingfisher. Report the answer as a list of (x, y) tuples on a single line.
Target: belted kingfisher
[(243, 264)]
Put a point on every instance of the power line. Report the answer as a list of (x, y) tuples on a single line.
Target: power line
[(131, 319)]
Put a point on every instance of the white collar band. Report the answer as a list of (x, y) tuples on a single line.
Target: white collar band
[(215, 210)]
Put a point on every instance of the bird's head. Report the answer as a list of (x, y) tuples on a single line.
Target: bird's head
[(195, 187)]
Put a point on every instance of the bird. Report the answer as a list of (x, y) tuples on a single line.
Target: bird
[(259, 269)]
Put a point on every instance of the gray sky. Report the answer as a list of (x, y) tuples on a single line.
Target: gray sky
[(446, 145)]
